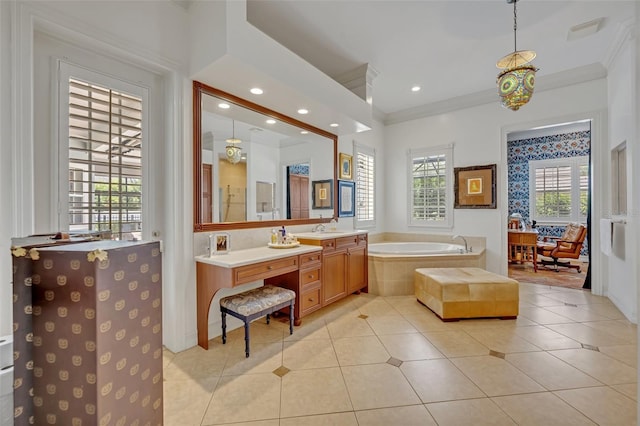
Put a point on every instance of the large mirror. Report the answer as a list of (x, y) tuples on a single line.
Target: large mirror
[(254, 167)]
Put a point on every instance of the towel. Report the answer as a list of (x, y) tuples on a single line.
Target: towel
[(605, 236)]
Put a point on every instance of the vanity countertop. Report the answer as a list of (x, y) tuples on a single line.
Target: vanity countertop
[(237, 258), (325, 235)]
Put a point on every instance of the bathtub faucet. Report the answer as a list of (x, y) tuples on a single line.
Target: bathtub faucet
[(466, 247)]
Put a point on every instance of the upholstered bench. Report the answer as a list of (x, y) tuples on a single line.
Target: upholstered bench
[(253, 304), (455, 293)]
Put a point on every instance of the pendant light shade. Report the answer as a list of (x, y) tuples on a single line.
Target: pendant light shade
[(517, 79), (234, 152)]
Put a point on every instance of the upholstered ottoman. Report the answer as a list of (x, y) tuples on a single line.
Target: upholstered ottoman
[(253, 304), (454, 293)]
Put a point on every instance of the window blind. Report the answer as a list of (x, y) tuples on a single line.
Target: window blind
[(105, 160), (365, 185)]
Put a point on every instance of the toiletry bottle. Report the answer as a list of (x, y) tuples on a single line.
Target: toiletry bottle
[(274, 236)]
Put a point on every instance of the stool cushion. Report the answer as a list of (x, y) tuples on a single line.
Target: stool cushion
[(257, 300), (453, 293)]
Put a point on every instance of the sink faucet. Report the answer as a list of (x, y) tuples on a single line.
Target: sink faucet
[(466, 247), (318, 228)]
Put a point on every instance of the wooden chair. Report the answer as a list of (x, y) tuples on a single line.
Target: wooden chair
[(566, 247)]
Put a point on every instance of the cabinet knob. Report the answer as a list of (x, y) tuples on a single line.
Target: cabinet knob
[(310, 275), (310, 300), (269, 267)]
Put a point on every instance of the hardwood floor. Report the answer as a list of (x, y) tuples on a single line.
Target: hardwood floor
[(565, 277)]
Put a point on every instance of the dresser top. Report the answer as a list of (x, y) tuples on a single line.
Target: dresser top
[(236, 258)]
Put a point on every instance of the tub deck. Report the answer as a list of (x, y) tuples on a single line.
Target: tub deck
[(392, 274)]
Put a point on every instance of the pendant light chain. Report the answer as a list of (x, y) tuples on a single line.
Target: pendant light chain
[(515, 27)]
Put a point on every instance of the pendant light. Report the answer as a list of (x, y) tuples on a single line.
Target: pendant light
[(234, 152), (517, 79)]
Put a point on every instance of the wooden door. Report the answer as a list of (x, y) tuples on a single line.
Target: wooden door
[(207, 193), (298, 197), (356, 265), (334, 285), (304, 197)]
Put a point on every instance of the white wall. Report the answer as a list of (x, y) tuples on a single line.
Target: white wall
[(6, 189), (477, 135), (374, 139), (622, 80), (150, 35)]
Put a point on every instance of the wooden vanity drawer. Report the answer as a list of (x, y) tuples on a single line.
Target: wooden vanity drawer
[(310, 300), (259, 271), (309, 259), (329, 245), (309, 276), (346, 242)]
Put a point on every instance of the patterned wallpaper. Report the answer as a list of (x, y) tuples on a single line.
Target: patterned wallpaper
[(520, 152), (299, 169)]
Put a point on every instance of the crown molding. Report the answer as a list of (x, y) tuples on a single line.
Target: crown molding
[(625, 33), (548, 82)]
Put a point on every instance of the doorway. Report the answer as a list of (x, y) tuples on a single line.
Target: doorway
[(298, 191), (548, 181)]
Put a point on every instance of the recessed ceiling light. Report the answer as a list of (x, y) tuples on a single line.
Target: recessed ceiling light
[(303, 132), (271, 121), (224, 106), (303, 111), (334, 124), (415, 88), (257, 91)]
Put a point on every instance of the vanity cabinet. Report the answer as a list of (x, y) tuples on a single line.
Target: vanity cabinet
[(344, 266), (305, 282)]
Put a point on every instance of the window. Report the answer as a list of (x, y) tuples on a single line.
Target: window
[(365, 185), (560, 189), (101, 157), (430, 183)]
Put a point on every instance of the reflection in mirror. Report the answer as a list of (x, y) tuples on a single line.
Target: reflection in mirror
[(250, 156), (265, 199)]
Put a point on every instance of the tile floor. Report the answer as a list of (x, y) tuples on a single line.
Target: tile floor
[(569, 359)]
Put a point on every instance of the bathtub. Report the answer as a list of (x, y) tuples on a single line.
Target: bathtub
[(391, 264), (414, 248)]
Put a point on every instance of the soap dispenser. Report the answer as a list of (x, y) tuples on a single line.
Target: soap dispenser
[(274, 236), (333, 225)]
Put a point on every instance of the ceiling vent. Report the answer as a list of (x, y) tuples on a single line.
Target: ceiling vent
[(585, 29)]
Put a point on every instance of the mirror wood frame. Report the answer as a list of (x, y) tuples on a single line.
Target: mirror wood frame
[(198, 226)]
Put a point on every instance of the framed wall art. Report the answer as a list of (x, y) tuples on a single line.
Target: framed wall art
[(346, 198), (346, 166), (322, 194), (475, 187)]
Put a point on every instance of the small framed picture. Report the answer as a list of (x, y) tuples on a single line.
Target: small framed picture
[(346, 198), (346, 166), (220, 243), (322, 194)]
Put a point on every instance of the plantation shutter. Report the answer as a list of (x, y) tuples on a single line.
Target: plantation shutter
[(105, 160)]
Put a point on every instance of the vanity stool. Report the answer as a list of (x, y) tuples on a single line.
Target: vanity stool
[(253, 304), (455, 293)]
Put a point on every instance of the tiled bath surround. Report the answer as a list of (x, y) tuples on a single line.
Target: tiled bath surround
[(393, 275)]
